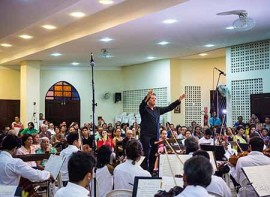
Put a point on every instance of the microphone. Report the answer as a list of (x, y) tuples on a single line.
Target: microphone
[(221, 72), (92, 62)]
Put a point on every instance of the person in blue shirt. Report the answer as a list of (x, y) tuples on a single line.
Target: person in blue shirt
[(214, 120)]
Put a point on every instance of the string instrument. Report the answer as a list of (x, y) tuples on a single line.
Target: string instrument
[(234, 158), (27, 186), (266, 152)]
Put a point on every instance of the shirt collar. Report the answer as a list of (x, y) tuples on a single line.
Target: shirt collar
[(6, 153), (84, 192), (255, 153)]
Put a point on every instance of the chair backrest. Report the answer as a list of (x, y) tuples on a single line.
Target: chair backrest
[(120, 192), (215, 194)]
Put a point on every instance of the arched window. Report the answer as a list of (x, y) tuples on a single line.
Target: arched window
[(62, 90)]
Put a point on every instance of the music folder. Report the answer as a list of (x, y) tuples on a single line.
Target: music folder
[(54, 165), (218, 150), (146, 186)]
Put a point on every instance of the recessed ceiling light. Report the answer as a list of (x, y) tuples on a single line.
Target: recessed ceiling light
[(150, 57), (48, 27), (56, 54), (163, 43), (77, 14), (209, 45), (75, 63), (106, 39), (169, 21), (229, 28), (203, 54), (6, 45), (25, 36), (106, 2)]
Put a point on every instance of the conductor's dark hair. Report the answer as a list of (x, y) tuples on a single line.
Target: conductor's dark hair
[(256, 144), (10, 141), (79, 164), (134, 150), (25, 137), (103, 156), (191, 145), (201, 153), (72, 137), (198, 171)]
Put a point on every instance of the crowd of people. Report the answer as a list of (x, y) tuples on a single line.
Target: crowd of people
[(116, 150)]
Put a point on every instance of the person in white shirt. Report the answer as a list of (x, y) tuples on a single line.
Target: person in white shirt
[(217, 185), (197, 176), (254, 158), (74, 144), (206, 139), (80, 171), (125, 173), (12, 169)]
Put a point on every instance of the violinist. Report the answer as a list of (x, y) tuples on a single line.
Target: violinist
[(254, 158)]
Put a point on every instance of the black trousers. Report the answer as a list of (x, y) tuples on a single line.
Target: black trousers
[(149, 149)]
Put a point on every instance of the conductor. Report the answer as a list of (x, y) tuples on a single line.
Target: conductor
[(150, 115)]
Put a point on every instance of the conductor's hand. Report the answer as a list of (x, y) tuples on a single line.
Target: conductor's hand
[(183, 96), (150, 92)]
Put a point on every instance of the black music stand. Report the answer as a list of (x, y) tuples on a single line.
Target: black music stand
[(218, 150)]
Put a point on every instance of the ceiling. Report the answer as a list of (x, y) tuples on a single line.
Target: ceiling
[(134, 25)]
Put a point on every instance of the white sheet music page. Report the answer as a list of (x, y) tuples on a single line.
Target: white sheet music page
[(148, 187), (258, 176), (54, 165), (212, 160), (7, 190), (168, 183)]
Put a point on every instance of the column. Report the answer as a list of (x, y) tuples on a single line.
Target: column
[(30, 92)]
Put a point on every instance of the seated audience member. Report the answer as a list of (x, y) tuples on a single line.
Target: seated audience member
[(27, 148), (80, 172), (12, 169), (197, 176), (182, 133), (118, 143), (44, 148), (129, 136), (214, 120), (87, 139), (188, 135), (73, 146), (239, 136), (44, 131), (57, 137), (265, 136), (51, 128), (198, 132), (239, 122), (17, 126), (36, 141), (30, 129), (125, 173), (206, 139), (104, 171), (105, 140), (254, 158), (191, 145), (217, 185)]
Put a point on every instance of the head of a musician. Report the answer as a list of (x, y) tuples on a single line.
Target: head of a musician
[(134, 150), (163, 134), (103, 156), (197, 171), (201, 153), (256, 144), (80, 168), (152, 101), (73, 139), (207, 134), (10, 144), (191, 145)]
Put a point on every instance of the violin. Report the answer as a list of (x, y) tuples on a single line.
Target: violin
[(234, 158)]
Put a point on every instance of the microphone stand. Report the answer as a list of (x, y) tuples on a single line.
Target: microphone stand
[(94, 104), (34, 119)]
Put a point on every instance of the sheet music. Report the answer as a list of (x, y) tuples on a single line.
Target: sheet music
[(212, 160), (258, 176), (176, 165), (54, 165), (7, 190), (148, 187), (168, 183)]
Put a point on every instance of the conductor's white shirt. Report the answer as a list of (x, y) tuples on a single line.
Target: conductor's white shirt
[(66, 153), (72, 190), (194, 191), (125, 173), (11, 170), (218, 186)]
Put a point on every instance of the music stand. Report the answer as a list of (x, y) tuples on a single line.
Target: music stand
[(243, 146), (137, 179), (218, 150)]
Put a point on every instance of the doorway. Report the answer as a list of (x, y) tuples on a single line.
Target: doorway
[(62, 103)]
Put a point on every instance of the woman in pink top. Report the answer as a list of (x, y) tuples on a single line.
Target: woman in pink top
[(27, 148)]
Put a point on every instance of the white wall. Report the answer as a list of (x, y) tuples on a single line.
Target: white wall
[(105, 81)]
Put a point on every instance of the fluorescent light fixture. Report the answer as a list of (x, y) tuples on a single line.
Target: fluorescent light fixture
[(169, 21), (56, 54), (203, 54), (25, 36), (150, 57), (77, 14), (209, 45), (107, 39), (75, 63), (6, 45), (48, 27), (106, 2), (163, 43), (229, 28)]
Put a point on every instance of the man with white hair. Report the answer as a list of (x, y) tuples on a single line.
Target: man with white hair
[(44, 131)]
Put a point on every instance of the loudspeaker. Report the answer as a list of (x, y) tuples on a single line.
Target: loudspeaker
[(117, 97)]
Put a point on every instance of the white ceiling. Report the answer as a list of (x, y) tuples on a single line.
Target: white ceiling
[(135, 26)]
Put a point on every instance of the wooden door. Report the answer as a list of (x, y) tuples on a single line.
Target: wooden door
[(8, 110)]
